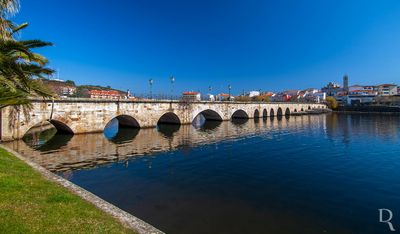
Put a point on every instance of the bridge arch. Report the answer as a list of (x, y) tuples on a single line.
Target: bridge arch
[(295, 110), (265, 113), (59, 125), (240, 114), (168, 124), (47, 134), (272, 112), (121, 125), (279, 112), (206, 119), (209, 114), (122, 121), (127, 121), (256, 114), (169, 118), (287, 111), (309, 107)]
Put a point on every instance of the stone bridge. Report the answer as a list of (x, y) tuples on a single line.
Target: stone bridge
[(89, 115)]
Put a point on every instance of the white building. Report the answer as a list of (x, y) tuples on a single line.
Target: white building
[(191, 96), (292, 93), (362, 90), (224, 97), (210, 97), (387, 89), (310, 91), (319, 96), (332, 89), (254, 93), (359, 99)]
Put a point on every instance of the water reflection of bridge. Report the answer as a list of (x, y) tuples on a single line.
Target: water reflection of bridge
[(69, 152)]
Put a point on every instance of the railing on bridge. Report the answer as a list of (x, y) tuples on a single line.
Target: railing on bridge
[(162, 98)]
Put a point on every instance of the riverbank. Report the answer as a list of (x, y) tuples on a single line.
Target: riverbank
[(369, 109), (312, 112), (29, 203)]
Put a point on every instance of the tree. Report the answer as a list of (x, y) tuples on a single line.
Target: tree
[(243, 99), (70, 82), (8, 8), (332, 103), (261, 98), (20, 67)]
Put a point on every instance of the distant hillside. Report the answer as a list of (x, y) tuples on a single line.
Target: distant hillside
[(62, 87), (83, 90), (58, 82), (98, 87)]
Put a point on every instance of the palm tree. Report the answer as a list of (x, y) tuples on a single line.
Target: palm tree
[(9, 6), (7, 9), (20, 68)]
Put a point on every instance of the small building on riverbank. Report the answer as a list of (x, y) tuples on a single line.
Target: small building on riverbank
[(388, 100), (387, 89), (357, 99), (191, 96)]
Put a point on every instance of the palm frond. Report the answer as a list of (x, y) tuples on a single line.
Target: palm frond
[(10, 97), (8, 7), (17, 28), (35, 43), (20, 67)]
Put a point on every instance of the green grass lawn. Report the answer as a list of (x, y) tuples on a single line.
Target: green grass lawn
[(31, 204)]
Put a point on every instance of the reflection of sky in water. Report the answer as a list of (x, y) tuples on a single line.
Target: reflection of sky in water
[(111, 130), (199, 121)]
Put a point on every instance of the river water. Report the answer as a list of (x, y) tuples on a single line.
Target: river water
[(306, 174)]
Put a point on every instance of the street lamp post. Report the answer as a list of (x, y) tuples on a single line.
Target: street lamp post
[(151, 88), (229, 87), (172, 79)]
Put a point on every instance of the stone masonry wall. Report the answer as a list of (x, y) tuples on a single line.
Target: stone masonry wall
[(84, 116)]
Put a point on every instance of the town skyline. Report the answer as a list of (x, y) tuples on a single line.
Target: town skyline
[(233, 44), (333, 93), (210, 89)]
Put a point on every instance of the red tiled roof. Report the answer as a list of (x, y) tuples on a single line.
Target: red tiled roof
[(190, 93), (269, 94), (104, 92), (363, 90), (387, 85)]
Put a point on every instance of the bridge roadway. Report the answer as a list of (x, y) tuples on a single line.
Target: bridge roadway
[(77, 116)]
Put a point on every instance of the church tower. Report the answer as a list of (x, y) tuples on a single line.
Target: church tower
[(346, 83)]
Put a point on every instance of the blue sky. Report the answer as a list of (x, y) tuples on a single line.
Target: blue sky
[(251, 45)]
